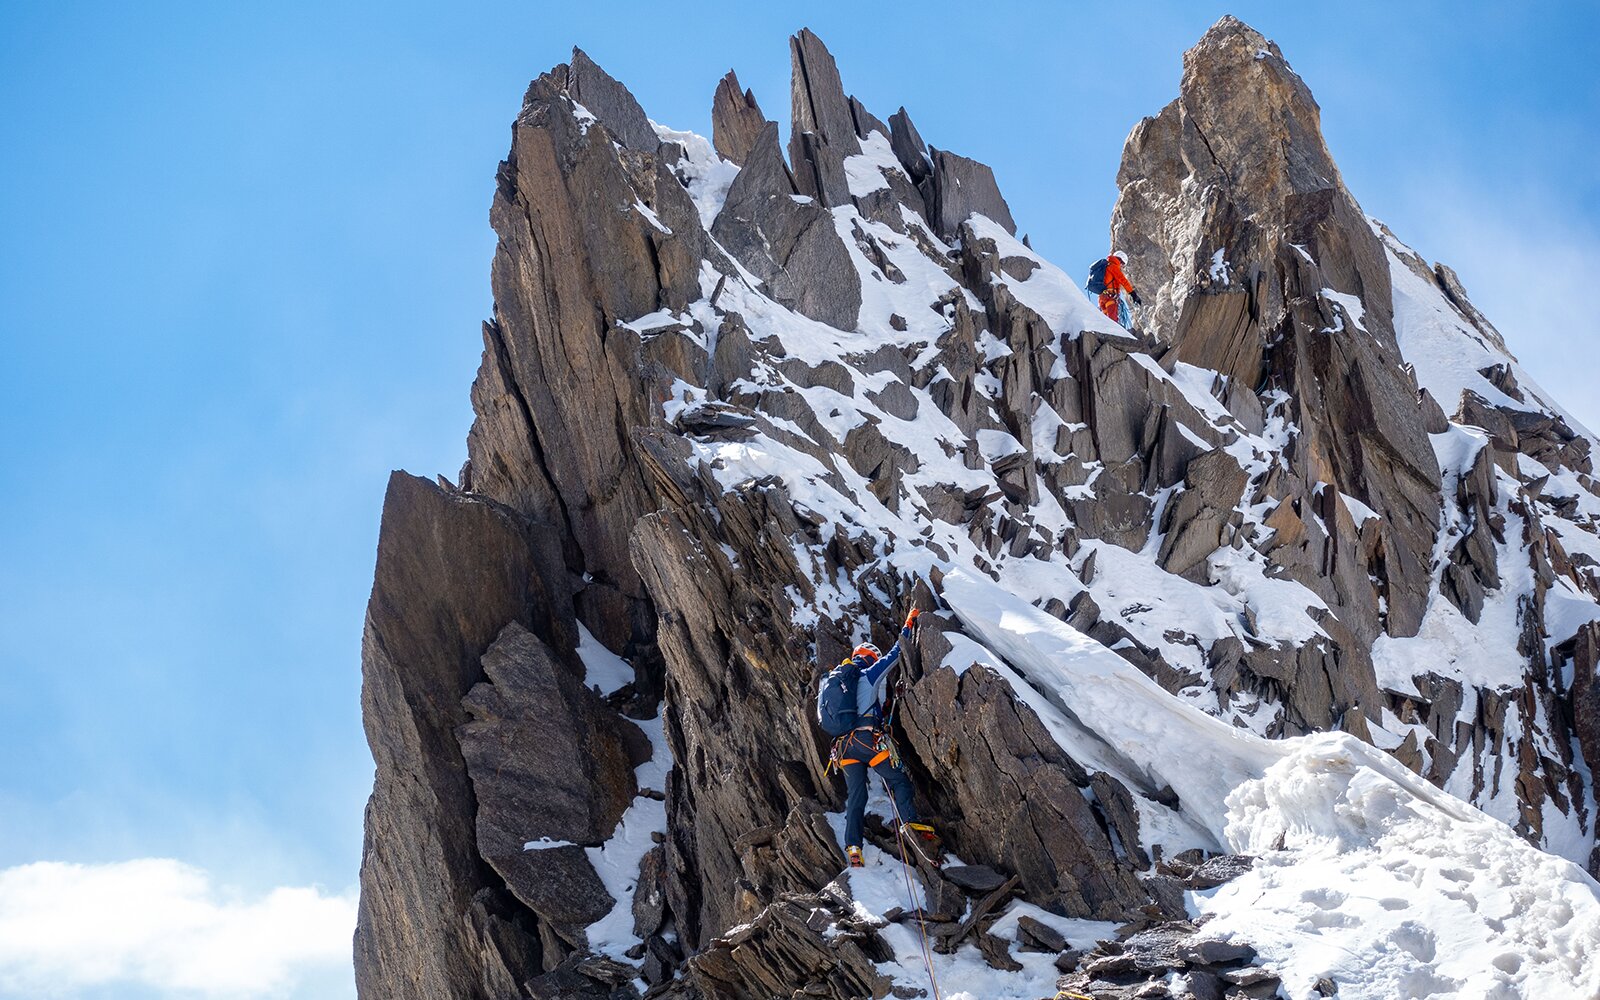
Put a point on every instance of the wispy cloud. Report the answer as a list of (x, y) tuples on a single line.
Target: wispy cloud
[(69, 930)]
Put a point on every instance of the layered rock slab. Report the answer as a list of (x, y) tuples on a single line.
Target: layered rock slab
[(788, 239), (1015, 799), (452, 570)]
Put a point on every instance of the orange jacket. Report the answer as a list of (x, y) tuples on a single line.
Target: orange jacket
[(1116, 278)]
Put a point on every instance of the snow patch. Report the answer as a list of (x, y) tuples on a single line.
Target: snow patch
[(1352, 306), (617, 860), (864, 171), (705, 175), (1219, 268), (603, 670)]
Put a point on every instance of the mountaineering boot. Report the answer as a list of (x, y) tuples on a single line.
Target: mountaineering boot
[(920, 838), (854, 854)]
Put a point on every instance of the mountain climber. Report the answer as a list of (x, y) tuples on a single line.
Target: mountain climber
[(861, 726), (1109, 280)]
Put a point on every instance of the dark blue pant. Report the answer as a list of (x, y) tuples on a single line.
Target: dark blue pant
[(860, 747)]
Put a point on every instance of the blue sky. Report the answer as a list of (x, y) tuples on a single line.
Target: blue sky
[(244, 256)]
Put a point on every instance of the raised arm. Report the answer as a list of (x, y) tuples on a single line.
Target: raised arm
[(889, 659)]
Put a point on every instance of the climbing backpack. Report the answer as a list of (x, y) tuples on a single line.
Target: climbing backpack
[(1097, 277), (836, 698)]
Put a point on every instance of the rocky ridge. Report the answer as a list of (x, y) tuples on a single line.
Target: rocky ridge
[(736, 408)]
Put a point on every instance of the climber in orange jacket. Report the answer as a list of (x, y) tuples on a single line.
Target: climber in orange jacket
[(1110, 281)]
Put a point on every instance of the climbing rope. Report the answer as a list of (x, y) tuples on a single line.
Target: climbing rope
[(911, 892)]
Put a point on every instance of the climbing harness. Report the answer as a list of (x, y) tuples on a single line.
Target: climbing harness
[(911, 892), (883, 748)]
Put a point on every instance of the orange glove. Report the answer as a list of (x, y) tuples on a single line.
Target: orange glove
[(911, 619)]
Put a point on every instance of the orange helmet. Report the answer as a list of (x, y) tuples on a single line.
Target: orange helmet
[(866, 649)]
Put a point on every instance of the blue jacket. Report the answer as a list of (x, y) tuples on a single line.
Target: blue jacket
[(870, 689)]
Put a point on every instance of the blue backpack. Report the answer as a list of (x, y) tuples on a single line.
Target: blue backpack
[(836, 699), (1097, 276)]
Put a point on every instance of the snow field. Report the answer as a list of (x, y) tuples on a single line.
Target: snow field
[(1366, 873)]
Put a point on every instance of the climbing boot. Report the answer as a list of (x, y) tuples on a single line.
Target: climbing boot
[(854, 854), (919, 837)]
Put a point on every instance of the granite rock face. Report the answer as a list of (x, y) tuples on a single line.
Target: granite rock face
[(1250, 249), (738, 411)]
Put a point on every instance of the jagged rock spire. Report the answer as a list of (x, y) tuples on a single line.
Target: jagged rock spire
[(822, 130), (788, 242), (736, 119), (1250, 252), (610, 102), (817, 99), (962, 186), (1247, 131), (909, 147)]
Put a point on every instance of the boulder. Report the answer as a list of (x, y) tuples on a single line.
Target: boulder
[(1194, 522), (1212, 951), (974, 880), (549, 762), (1219, 870), (1036, 936), (784, 951)]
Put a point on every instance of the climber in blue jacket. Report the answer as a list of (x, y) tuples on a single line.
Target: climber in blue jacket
[(869, 746)]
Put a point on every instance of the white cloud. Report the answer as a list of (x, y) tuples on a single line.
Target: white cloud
[(66, 929)]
